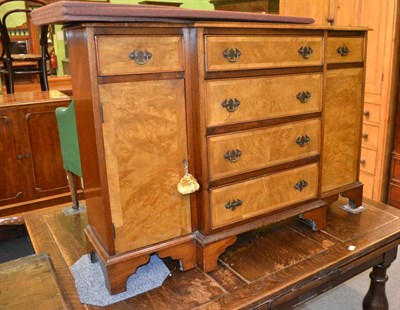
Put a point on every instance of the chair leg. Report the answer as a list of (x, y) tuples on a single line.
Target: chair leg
[(9, 79), (72, 188), (44, 84)]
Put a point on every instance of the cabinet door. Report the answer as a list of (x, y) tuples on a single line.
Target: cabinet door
[(342, 128), (145, 143), (42, 151), (11, 175)]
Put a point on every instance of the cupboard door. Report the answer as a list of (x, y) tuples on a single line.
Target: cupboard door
[(42, 147), (342, 127), (145, 143), (11, 176)]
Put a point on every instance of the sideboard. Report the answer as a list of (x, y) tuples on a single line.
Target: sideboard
[(265, 116)]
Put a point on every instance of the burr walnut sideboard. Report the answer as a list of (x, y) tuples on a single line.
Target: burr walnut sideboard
[(267, 117)]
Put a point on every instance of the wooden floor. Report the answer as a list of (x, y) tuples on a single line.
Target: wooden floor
[(277, 266)]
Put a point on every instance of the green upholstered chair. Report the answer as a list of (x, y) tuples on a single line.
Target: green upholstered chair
[(69, 147)]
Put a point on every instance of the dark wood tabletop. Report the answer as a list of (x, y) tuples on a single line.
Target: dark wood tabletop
[(277, 266)]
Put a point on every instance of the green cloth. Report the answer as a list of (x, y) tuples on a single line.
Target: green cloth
[(68, 133)]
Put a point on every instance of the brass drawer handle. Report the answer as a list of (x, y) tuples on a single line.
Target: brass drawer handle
[(230, 105), (232, 205), (366, 113), (140, 57), (303, 96), (343, 51), (305, 51), (365, 135), (233, 155), (232, 55), (299, 186), (303, 140), (5, 118), (363, 161)]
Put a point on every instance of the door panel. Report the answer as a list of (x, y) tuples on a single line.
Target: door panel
[(342, 122), (43, 148), (145, 143), (11, 176)]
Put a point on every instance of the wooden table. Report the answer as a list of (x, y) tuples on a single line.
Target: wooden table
[(273, 267)]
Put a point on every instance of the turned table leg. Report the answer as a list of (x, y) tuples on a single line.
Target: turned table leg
[(376, 296)]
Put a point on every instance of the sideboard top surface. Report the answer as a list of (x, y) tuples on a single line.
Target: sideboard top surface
[(75, 12)]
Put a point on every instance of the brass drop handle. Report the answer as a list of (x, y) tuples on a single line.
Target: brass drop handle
[(366, 113), (233, 155), (299, 186), (365, 135), (302, 141), (343, 50), (232, 55), (5, 118), (303, 96), (230, 105), (140, 57), (305, 51), (234, 204), (363, 161)]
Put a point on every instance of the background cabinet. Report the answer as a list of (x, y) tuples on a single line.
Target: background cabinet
[(379, 114), (32, 166)]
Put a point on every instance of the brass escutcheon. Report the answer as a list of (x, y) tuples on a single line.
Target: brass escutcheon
[(343, 50), (230, 105), (303, 96), (232, 55), (140, 57), (232, 205), (303, 140), (300, 185), (305, 51), (233, 155)]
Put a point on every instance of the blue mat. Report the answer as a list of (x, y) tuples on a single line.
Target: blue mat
[(92, 290)]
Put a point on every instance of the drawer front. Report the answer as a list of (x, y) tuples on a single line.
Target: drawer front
[(367, 161), (250, 150), (257, 52), (129, 54), (394, 195), (368, 181), (233, 203), (371, 113), (242, 100), (343, 49), (370, 136)]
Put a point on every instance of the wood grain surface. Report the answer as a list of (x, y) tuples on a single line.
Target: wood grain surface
[(262, 195), (145, 144), (261, 98), (33, 274), (261, 52), (272, 265), (261, 148), (342, 121), (113, 52)]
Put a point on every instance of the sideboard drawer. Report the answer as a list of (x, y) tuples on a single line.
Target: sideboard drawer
[(367, 161), (233, 203), (257, 52), (370, 136), (371, 113), (250, 150), (129, 54), (250, 99), (345, 49)]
